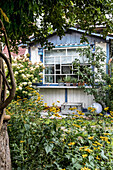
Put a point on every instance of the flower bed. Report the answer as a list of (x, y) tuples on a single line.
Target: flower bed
[(60, 144)]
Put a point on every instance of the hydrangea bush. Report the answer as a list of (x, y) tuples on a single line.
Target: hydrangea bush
[(25, 74)]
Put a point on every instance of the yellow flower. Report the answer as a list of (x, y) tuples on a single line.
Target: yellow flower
[(22, 141), (88, 150), (105, 139), (57, 115), (81, 148), (71, 143), (76, 115), (76, 125), (89, 108), (98, 143), (81, 117), (9, 125), (97, 158), (91, 137), (53, 104), (45, 104), (80, 120), (100, 114), (93, 110), (63, 169), (109, 85), (111, 112), (106, 108), (85, 155), (85, 168), (74, 108), (58, 101), (80, 113), (38, 98)]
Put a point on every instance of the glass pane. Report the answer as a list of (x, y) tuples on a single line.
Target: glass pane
[(56, 52), (75, 76), (63, 60), (66, 69), (66, 59), (57, 60), (59, 78), (71, 52), (83, 59), (57, 72), (49, 69), (49, 60), (76, 57), (47, 53), (49, 79), (57, 66)]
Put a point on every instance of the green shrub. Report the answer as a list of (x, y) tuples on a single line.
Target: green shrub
[(100, 84)]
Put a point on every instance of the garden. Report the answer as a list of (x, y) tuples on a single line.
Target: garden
[(79, 141), (58, 143)]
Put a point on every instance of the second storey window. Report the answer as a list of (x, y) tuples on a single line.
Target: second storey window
[(59, 64)]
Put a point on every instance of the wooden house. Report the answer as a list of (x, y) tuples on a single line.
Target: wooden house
[(58, 65)]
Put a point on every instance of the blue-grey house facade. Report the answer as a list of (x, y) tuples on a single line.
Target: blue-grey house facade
[(58, 65)]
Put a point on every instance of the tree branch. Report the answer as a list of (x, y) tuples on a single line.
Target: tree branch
[(5, 80)]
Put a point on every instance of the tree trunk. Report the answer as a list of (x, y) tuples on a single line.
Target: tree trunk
[(5, 160)]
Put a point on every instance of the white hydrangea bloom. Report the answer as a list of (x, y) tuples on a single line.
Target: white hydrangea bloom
[(20, 88)]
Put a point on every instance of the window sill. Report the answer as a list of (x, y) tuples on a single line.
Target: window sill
[(61, 87)]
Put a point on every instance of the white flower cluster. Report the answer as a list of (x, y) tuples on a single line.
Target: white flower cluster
[(26, 73)]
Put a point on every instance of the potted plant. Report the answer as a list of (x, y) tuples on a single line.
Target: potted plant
[(60, 82), (67, 80), (74, 81), (81, 83)]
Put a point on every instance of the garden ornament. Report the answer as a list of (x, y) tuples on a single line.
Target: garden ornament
[(98, 107), (4, 84)]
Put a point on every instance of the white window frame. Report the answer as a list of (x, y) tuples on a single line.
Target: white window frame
[(66, 48)]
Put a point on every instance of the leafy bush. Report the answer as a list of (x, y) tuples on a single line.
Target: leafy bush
[(101, 84), (25, 74), (60, 144)]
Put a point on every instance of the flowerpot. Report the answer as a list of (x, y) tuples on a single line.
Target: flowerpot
[(74, 84), (67, 84), (79, 83)]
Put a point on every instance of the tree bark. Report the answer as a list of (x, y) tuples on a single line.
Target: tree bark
[(5, 160)]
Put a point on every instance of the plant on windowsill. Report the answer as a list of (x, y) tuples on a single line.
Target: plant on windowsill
[(74, 81), (67, 80), (60, 82), (80, 83)]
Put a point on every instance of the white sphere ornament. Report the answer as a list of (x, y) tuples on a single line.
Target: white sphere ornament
[(98, 107)]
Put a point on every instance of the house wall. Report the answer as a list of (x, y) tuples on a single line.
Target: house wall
[(34, 54), (73, 37), (76, 95), (53, 94)]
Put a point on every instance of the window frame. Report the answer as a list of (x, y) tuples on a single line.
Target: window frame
[(73, 57)]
